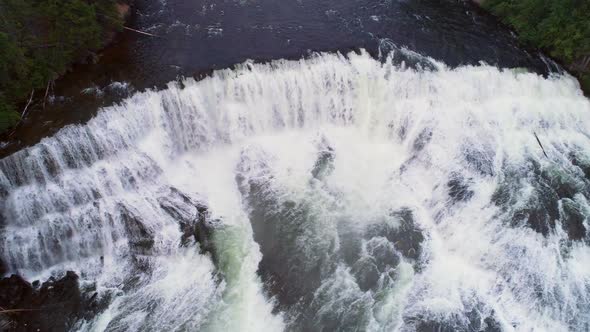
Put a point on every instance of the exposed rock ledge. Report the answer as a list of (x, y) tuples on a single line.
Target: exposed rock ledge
[(52, 306)]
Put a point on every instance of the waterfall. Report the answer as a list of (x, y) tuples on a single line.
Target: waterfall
[(340, 193)]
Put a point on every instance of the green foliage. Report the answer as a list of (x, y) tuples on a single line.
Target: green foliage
[(39, 39), (8, 116), (585, 82), (561, 27)]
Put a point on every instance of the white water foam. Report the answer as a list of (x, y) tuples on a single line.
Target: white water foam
[(78, 200)]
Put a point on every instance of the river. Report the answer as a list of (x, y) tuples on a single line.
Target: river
[(309, 166)]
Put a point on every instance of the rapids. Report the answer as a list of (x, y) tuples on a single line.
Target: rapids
[(341, 192)]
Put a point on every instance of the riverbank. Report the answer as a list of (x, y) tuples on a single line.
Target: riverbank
[(560, 28), (43, 40)]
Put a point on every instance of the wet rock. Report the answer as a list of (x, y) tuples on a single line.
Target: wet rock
[(379, 258), (193, 217), (402, 231), (292, 274), (491, 325), (366, 273), (382, 253), (541, 211), (459, 189), (181, 206), (337, 308), (537, 218), (48, 160), (561, 183), (502, 195), (15, 290), (409, 237), (423, 138), (203, 233), (572, 219), (140, 237), (539, 208), (403, 129), (290, 271), (553, 185), (128, 179), (480, 159), (475, 323), (55, 306), (582, 163), (94, 304), (351, 241), (324, 164), (434, 326), (3, 267)]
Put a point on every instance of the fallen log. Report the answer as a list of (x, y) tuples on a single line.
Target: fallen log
[(541, 145)]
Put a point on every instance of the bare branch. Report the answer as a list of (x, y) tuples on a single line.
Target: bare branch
[(142, 32), (541, 145), (46, 92), (28, 103)]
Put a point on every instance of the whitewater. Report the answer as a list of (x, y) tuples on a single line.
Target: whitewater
[(341, 193)]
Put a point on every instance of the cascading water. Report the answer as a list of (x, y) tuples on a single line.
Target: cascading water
[(338, 193)]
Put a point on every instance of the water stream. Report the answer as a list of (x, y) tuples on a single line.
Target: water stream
[(340, 192)]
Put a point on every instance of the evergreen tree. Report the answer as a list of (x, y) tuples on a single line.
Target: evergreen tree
[(40, 39)]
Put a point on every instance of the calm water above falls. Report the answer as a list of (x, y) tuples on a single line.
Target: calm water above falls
[(197, 36), (339, 192)]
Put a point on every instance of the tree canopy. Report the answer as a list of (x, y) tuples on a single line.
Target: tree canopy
[(39, 39), (561, 27)]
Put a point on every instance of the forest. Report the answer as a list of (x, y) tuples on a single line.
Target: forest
[(559, 27), (40, 39)]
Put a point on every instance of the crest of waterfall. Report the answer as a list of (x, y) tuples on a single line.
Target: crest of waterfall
[(340, 193)]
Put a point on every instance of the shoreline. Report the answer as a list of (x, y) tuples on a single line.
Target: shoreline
[(85, 56), (579, 67)]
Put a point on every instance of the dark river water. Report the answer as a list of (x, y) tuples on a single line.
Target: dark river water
[(195, 37), (298, 165)]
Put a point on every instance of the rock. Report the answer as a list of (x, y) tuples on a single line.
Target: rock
[(582, 163), (203, 233), (3, 267), (422, 140), (383, 253), (140, 237), (285, 269), (366, 273), (55, 306), (459, 189), (434, 326), (193, 218), (542, 208), (324, 164), (537, 218), (480, 158), (180, 206), (572, 220), (379, 258), (475, 322), (15, 290), (405, 235), (351, 243)]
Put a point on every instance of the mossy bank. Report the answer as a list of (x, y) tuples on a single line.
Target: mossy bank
[(559, 27), (41, 39)]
